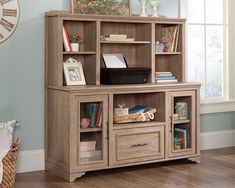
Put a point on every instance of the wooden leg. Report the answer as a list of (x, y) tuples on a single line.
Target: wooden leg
[(74, 176), (196, 159)]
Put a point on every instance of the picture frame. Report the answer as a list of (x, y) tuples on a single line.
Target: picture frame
[(103, 7), (114, 60), (73, 72)]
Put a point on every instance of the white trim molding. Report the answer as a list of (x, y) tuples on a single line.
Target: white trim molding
[(217, 107), (33, 160), (217, 139)]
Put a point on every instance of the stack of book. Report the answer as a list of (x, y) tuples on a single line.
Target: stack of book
[(182, 136), (93, 111), (163, 77), (116, 38), (169, 37)]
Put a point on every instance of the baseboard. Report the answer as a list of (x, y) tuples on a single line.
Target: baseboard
[(34, 160), (217, 139)]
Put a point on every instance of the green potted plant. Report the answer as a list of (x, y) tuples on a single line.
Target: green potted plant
[(75, 39)]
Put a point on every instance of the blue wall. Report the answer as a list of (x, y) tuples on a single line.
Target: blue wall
[(22, 72)]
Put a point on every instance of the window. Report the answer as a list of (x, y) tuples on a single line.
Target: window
[(207, 55)]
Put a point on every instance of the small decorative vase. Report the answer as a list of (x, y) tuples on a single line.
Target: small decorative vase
[(75, 47), (143, 8), (154, 4), (182, 110), (85, 122)]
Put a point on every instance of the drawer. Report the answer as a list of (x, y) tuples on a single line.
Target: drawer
[(139, 144)]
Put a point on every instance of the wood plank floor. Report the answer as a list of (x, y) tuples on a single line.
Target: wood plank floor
[(217, 169)]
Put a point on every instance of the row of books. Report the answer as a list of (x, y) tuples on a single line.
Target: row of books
[(182, 136), (116, 37), (164, 77), (93, 111), (169, 37)]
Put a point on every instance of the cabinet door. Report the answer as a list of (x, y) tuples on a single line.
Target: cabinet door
[(91, 125), (139, 144), (182, 128)]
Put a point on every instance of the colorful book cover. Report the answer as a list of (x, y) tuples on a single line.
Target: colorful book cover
[(181, 134), (139, 109), (188, 135)]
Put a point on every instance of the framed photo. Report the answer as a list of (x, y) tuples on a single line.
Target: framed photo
[(114, 61), (73, 72), (106, 7)]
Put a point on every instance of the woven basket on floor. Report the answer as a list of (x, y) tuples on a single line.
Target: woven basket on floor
[(9, 166)]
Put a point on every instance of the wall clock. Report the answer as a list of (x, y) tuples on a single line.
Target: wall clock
[(9, 17)]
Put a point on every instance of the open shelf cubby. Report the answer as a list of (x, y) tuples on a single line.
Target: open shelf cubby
[(154, 100)]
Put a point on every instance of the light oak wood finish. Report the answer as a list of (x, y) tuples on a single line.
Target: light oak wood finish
[(134, 145), (217, 169), (140, 53), (120, 144)]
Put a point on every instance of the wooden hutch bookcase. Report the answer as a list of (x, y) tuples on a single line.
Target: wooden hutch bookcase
[(117, 145)]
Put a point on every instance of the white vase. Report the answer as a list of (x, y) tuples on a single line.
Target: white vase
[(154, 4), (182, 110), (75, 47), (143, 8)]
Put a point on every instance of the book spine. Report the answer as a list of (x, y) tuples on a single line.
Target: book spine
[(176, 39), (66, 41), (99, 112), (163, 75), (166, 81), (165, 78), (94, 113)]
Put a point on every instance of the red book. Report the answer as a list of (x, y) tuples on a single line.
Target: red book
[(66, 41), (99, 114)]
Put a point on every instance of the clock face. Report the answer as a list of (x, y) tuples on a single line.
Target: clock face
[(9, 17)]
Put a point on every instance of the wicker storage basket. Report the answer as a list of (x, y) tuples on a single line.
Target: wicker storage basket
[(9, 166), (130, 118)]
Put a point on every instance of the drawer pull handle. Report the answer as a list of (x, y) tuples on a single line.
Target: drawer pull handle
[(138, 145)]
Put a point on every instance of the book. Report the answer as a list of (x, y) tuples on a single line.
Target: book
[(141, 109), (165, 78), (94, 114), (168, 35), (118, 39), (176, 39), (66, 41), (100, 120), (162, 74), (188, 135), (122, 36), (166, 81), (181, 134), (98, 116), (91, 112)]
